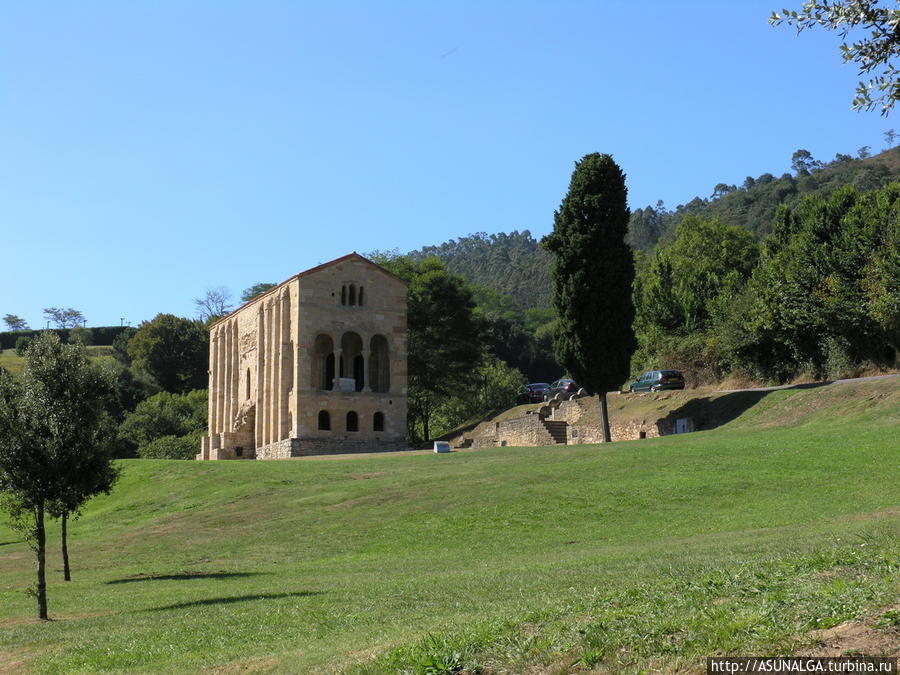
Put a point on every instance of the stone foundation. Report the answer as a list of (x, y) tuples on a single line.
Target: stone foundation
[(307, 447)]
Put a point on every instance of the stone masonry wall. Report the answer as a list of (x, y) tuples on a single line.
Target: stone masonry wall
[(525, 430)]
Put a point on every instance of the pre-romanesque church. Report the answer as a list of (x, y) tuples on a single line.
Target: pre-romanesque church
[(315, 365)]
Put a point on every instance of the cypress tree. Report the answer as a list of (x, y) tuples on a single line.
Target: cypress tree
[(592, 273)]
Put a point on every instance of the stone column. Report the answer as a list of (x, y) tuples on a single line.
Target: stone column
[(270, 362), (235, 374), (211, 394), (286, 361), (277, 356), (220, 380), (229, 365), (260, 373), (365, 371), (338, 373)]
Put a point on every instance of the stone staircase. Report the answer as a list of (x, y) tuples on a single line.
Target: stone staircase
[(557, 430)]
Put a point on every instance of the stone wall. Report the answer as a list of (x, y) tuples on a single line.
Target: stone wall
[(627, 432), (525, 430), (304, 447)]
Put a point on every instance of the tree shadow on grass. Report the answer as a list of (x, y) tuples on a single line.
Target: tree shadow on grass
[(711, 412), (232, 599), (708, 413), (183, 576)]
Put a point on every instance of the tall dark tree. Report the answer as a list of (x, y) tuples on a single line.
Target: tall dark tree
[(50, 427), (592, 274)]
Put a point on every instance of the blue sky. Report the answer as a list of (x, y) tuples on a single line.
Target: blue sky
[(152, 150)]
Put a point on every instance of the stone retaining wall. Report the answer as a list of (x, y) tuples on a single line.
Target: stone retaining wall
[(525, 430)]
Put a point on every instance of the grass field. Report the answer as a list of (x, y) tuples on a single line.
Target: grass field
[(632, 556), (14, 363)]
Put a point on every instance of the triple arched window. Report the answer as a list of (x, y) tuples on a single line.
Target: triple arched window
[(353, 295)]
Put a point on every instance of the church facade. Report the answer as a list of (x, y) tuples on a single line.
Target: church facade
[(315, 365)]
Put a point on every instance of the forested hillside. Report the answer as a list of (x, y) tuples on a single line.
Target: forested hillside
[(752, 205), (512, 264)]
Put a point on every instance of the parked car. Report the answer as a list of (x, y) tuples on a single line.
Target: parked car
[(563, 386), (656, 380), (532, 393)]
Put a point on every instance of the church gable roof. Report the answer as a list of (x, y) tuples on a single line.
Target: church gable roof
[(312, 270)]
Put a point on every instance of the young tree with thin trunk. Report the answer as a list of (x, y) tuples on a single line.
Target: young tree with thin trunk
[(50, 423), (593, 270)]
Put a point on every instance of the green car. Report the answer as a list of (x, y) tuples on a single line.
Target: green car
[(656, 380)]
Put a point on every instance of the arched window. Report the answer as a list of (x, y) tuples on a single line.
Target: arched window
[(343, 295), (352, 421), (360, 296), (324, 421), (247, 387), (352, 294), (378, 422)]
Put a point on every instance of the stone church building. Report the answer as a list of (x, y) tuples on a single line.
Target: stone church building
[(315, 365)]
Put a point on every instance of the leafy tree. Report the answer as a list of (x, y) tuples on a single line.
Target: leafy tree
[(22, 344), (255, 290), (721, 190), (14, 322), (890, 136), (827, 281), (173, 350), (127, 389), (94, 474), (871, 54), (64, 318), (214, 304), (864, 152), (803, 164), (120, 345), (647, 226), (490, 387), (165, 414), (50, 446), (592, 276)]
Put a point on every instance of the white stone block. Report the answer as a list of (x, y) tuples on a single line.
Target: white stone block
[(441, 446)]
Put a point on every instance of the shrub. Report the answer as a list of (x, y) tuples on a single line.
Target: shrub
[(172, 447), (22, 344)]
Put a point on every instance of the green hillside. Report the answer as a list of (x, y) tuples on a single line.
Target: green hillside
[(629, 556)]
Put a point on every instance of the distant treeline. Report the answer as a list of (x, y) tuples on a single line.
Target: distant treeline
[(100, 335), (753, 204)]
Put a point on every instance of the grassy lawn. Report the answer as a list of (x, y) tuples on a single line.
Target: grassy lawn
[(14, 363), (628, 556)]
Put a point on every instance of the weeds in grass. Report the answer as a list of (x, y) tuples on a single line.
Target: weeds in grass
[(688, 614)]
